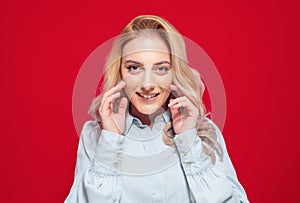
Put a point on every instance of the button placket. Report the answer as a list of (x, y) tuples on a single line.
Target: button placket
[(158, 127), (187, 164), (180, 141), (118, 153)]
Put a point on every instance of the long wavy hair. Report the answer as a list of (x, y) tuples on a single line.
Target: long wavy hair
[(185, 78)]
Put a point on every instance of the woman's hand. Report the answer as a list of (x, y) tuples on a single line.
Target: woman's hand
[(110, 120), (184, 112)]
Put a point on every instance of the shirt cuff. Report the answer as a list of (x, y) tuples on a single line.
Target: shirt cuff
[(110, 150), (189, 146), (185, 140), (113, 139)]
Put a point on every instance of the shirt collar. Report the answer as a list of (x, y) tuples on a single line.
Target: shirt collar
[(130, 120)]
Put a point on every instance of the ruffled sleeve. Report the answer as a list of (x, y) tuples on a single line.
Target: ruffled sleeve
[(208, 183), (93, 181)]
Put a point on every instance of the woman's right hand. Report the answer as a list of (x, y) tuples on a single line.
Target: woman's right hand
[(110, 120)]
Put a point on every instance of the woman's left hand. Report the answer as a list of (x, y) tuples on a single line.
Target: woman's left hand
[(184, 112)]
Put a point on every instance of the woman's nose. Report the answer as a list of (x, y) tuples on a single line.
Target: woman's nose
[(148, 88), (148, 81)]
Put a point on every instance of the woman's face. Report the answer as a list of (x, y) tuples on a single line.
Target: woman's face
[(146, 69)]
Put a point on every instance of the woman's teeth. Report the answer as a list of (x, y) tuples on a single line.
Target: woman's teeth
[(147, 96)]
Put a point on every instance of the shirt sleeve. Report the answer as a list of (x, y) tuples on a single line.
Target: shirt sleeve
[(208, 183), (95, 181)]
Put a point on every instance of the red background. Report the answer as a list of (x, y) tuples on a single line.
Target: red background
[(254, 44)]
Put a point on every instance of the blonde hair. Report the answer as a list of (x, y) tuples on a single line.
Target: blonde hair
[(184, 77)]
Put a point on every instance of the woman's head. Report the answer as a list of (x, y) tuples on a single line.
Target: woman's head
[(150, 40), (167, 44)]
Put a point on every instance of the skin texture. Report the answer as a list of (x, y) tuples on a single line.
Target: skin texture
[(147, 82)]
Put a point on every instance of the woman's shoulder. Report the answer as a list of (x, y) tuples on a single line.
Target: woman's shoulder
[(210, 124), (89, 137), (89, 126), (208, 121)]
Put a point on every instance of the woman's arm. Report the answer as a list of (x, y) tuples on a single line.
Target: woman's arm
[(208, 183), (92, 181), (83, 160)]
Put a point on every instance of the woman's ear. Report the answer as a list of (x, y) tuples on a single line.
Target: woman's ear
[(173, 94)]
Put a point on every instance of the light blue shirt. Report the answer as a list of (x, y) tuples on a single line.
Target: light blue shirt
[(138, 167)]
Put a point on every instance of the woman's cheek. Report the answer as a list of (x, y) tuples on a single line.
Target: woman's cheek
[(165, 82), (130, 87)]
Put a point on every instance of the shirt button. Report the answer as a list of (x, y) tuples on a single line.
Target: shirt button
[(187, 164), (183, 153), (119, 155), (180, 141), (116, 165)]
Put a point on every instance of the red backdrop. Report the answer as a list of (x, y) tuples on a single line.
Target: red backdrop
[(44, 43)]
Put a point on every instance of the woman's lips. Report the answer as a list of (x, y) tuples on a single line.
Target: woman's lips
[(147, 96)]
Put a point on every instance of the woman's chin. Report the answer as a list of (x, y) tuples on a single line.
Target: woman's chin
[(151, 111)]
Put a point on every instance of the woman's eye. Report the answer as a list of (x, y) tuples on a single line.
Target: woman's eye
[(134, 68), (162, 69)]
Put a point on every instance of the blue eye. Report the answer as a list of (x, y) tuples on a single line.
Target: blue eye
[(162, 69)]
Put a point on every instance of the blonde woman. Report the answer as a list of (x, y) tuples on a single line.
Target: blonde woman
[(151, 141)]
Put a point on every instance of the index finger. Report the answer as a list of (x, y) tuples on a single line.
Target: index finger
[(116, 88)]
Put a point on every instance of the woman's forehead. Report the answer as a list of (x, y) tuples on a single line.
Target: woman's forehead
[(143, 44), (146, 58)]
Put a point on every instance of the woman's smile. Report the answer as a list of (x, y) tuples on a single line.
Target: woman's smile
[(148, 97)]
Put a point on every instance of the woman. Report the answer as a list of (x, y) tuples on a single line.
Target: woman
[(151, 141)]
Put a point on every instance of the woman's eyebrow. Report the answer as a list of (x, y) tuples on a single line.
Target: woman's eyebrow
[(158, 63), (162, 62), (132, 61)]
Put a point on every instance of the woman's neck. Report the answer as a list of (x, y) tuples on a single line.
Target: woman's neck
[(145, 118)]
